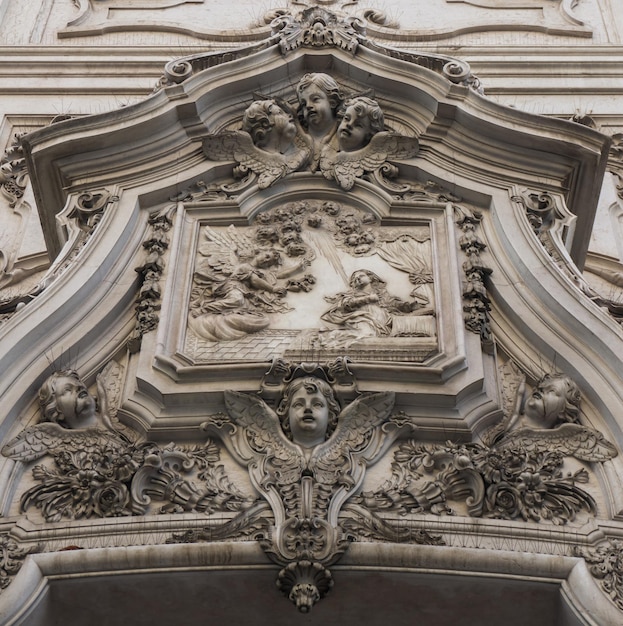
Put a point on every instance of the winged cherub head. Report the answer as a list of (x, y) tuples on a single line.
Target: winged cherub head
[(555, 399), (65, 400), (308, 411), (271, 128), (361, 119)]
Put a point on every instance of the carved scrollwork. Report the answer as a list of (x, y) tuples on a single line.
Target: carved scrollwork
[(605, 563), (316, 27), (11, 558), (516, 473), (13, 172), (307, 458)]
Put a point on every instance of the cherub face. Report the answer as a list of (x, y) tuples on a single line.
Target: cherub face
[(283, 124), (354, 131), (317, 110), (74, 402), (547, 402), (308, 415)]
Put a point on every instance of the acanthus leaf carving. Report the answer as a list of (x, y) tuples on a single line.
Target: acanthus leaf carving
[(12, 558)]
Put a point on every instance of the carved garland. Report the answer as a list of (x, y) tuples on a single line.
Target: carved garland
[(150, 272), (476, 301)]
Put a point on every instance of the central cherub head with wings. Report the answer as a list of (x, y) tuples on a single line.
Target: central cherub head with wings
[(308, 411)]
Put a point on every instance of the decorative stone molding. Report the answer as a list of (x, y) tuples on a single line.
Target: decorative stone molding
[(605, 563), (150, 272), (81, 216), (516, 473), (316, 27), (307, 457)]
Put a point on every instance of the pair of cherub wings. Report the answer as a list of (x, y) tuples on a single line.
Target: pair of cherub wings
[(346, 167), (269, 167), (257, 433)]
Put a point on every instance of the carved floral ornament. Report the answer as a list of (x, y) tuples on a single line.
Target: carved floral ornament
[(306, 441), (317, 27)]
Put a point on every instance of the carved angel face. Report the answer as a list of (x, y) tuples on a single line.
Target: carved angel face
[(354, 131), (308, 415), (547, 402), (283, 124), (74, 402), (317, 109)]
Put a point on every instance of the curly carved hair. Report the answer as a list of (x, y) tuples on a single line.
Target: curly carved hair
[(258, 120), (327, 84), (366, 107), (47, 396), (572, 396), (312, 385)]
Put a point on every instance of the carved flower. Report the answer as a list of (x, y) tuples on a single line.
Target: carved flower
[(500, 465), (111, 500), (533, 492), (503, 501)]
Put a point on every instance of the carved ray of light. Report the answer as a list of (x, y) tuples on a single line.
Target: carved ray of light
[(323, 242)]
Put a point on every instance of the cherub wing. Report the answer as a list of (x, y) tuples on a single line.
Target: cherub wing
[(48, 438), (220, 251), (237, 145), (345, 167), (259, 432), (357, 432), (573, 440)]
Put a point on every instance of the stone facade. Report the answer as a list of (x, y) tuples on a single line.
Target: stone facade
[(311, 308)]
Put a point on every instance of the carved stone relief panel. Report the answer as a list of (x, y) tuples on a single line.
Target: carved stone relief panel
[(314, 277)]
